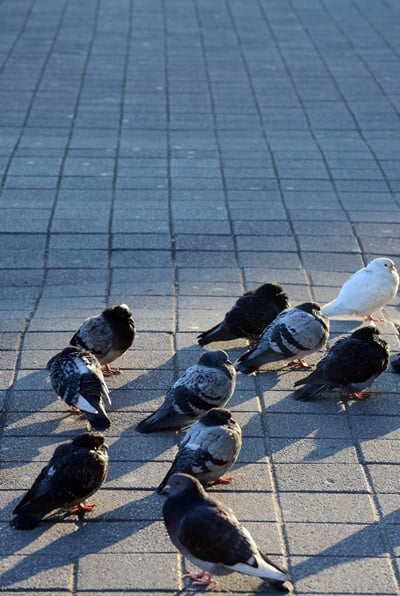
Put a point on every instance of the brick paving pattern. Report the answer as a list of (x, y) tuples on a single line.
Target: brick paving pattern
[(172, 154)]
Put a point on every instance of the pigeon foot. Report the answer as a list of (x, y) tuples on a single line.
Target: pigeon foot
[(200, 578), (82, 507), (224, 480), (108, 371), (74, 410), (360, 395), (299, 363), (374, 319)]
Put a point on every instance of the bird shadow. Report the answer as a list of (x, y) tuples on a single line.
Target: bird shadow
[(83, 536), (369, 542)]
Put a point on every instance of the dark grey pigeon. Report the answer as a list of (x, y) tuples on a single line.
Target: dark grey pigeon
[(206, 385), (250, 314), (351, 365), (209, 448), (208, 533), (295, 333), (107, 335), (75, 472), (77, 378)]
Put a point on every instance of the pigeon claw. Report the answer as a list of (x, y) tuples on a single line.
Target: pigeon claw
[(82, 507), (299, 363), (375, 319), (360, 395), (200, 578), (224, 480), (108, 371)]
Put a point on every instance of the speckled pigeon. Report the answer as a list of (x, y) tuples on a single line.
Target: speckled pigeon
[(208, 533), (365, 292), (77, 378), (107, 335), (295, 333), (207, 384), (352, 364), (209, 448), (250, 314), (74, 473)]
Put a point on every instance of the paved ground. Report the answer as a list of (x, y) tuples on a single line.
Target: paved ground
[(172, 154)]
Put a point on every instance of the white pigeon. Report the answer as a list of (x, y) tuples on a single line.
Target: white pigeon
[(365, 292)]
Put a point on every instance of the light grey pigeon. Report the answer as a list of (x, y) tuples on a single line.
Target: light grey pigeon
[(250, 314), (207, 384), (107, 335), (74, 473), (77, 378), (365, 292), (208, 533), (352, 364), (295, 333), (209, 448)]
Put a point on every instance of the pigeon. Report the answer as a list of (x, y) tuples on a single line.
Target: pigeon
[(365, 292), (207, 384), (250, 314), (74, 473), (295, 332), (77, 378), (209, 448), (208, 533), (107, 336), (352, 364)]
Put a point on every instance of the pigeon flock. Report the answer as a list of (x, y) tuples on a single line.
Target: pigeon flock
[(202, 528)]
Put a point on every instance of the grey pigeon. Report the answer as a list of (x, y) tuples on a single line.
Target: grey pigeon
[(77, 378), (295, 333), (209, 448), (208, 533), (250, 314), (207, 384), (74, 473), (107, 336), (352, 364), (365, 292)]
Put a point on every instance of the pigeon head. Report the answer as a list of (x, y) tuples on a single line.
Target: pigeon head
[(178, 484), (216, 417), (309, 307), (90, 441), (122, 311), (214, 358), (269, 290), (366, 333), (381, 264)]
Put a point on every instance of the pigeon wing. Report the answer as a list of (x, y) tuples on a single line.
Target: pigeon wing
[(94, 335)]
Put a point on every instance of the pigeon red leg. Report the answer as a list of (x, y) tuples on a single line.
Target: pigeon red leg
[(224, 480), (299, 363), (201, 578), (82, 507), (108, 371), (375, 319), (360, 395)]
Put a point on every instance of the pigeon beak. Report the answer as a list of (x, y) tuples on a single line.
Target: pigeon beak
[(393, 268), (105, 446), (165, 490)]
